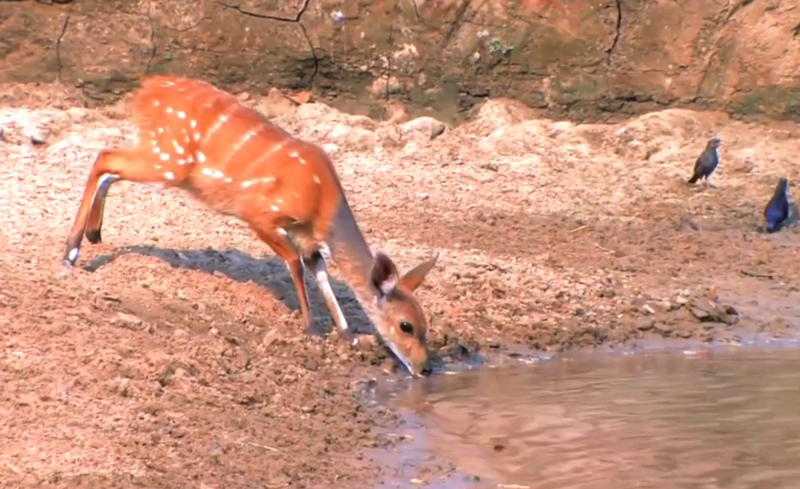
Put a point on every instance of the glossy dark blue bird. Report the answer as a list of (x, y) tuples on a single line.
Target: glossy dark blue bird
[(707, 163), (777, 211)]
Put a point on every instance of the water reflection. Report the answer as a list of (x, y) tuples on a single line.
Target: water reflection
[(661, 420)]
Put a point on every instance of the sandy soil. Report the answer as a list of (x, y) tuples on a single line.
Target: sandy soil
[(174, 358)]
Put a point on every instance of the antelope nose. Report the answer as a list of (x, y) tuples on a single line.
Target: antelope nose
[(426, 370)]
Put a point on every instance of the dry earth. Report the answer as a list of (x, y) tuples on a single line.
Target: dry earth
[(174, 358)]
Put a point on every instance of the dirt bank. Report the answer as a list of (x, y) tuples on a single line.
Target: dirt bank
[(177, 360), (586, 59)]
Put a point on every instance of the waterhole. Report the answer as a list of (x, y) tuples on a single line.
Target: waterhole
[(697, 419)]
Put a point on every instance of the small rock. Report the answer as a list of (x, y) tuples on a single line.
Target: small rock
[(424, 126), (395, 113), (127, 320), (123, 387), (663, 329), (330, 148), (647, 309), (275, 104), (214, 332), (382, 87), (301, 98)]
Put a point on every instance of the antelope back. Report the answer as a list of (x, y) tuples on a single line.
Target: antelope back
[(182, 121), (229, 155)]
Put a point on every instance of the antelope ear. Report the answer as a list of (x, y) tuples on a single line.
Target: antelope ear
[(384, 273), (414, 277)]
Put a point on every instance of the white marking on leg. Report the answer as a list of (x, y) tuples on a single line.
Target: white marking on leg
[(321, 273), (325, 251)]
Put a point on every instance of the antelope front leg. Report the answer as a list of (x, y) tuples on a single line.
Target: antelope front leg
[(316, 263), (278, 240)]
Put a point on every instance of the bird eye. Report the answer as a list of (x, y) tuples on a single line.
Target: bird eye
[(406, 327)]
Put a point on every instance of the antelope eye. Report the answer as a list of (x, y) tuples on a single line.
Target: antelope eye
[(406, 327)]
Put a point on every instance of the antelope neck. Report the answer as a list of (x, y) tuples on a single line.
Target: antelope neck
[(351, 253)]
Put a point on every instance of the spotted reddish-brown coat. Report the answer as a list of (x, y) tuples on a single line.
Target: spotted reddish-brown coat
[(199, 138)]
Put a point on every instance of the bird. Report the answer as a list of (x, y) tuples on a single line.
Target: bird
[(707, 163), (777, 211)]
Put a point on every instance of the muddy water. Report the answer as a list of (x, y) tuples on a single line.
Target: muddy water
[(713, 419)]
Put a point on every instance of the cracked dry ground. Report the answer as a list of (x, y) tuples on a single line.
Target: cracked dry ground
[(175, 360)]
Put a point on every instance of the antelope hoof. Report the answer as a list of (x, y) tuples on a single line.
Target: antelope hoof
[(70, 258), (349, 336), (93, 236)]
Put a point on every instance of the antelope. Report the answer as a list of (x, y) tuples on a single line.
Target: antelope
[(199, 138)]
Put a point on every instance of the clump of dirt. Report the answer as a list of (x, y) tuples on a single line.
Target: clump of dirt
[(175, 356)]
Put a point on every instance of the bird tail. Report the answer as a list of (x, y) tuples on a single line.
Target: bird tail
[(694, 178)]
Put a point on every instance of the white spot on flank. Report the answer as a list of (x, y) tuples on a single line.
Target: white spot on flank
[(169, 175), (158, 167), (250, 183), (178, 148), (280, 201), (302, 161), (274, 208), (168, 110), (181, 162), (181, 114), (156, 149), (316, 179), (212, 172), (197, 136), (294, 154), (201, 158), (161, 130), (296, 194), (228, 180), (193, 123), (164, 156), (156, 103), (190, 159)]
